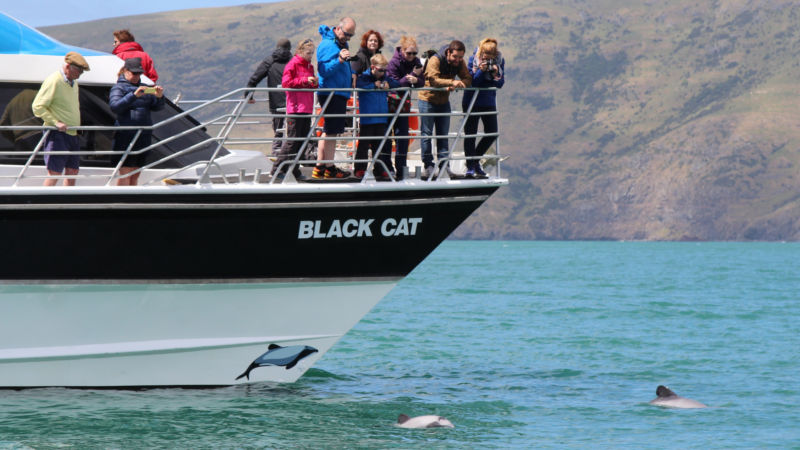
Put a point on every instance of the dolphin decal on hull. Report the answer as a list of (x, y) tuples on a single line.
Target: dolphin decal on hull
[(280, 356)]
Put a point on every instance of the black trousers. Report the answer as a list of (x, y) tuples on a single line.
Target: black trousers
[(374, 131), (296, 127), (471, 127)]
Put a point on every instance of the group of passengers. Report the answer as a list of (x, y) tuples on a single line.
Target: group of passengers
[(132, 100), (369, 70)]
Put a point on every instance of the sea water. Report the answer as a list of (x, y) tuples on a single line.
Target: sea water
[(519, 344)]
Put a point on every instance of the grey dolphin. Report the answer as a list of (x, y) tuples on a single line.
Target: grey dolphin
[(403, 421), (668, 399)]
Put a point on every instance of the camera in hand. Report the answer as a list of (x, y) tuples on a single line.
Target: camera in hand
[(490, 67)]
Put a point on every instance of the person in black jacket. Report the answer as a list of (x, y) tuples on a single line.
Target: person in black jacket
[(271, 68), (130, 101)]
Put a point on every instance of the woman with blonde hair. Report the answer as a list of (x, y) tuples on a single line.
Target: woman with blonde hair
[(487, 67), (405, 68), (298, 74)]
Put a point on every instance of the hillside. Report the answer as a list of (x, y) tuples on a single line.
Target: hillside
[(672, 120)]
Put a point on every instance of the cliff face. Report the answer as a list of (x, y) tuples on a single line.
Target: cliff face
[(671, 120)]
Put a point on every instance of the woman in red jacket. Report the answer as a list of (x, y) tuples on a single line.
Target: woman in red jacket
[(125, 46)]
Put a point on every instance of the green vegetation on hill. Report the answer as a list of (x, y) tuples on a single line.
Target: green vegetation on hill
[(673, 120)]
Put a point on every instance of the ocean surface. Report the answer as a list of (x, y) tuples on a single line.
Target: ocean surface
[(519, 344)]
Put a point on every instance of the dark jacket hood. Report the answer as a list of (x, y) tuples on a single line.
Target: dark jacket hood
[(281, 55)]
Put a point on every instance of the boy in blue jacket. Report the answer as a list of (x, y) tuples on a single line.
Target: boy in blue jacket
[(373, 129)]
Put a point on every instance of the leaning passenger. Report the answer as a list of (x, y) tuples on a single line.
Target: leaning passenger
[(58, 106), (440, 72), (271, 68), (487, 68), (132, 102), (371, 44), (125, 46), (298, 74), (334, 72), (374, 102), (405, 68)]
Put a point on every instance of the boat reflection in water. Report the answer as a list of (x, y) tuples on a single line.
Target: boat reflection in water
[(210, 272)]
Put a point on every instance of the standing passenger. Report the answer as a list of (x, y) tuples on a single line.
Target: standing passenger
[(374, 127), (334, 72), (271, 68), (371, 44), (487, 68), (405, 68), (132, 106), (298, 74), (125, 46), (440, 72), (58, 106)]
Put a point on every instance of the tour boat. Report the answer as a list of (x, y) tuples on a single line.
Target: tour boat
[(210, 272)]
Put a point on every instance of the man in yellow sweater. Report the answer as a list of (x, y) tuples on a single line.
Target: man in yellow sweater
[(57, 105)]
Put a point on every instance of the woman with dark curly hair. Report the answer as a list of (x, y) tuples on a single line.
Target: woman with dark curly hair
[(371, 44)]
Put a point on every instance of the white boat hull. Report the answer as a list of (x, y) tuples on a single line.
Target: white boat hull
[(89, 335)]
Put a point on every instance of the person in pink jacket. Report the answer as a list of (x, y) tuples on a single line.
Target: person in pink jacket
[(125, 46), (298, 74)]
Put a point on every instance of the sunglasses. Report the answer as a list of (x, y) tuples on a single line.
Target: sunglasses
[(347, 34), (411, 53), (379, 70)]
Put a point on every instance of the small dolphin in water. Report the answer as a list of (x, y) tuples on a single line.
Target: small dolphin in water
[(668, 399), (403, 421)]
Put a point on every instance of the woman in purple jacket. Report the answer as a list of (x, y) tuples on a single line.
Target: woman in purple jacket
[(406, 69)]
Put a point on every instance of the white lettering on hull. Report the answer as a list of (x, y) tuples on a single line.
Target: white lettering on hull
[(352, 228)]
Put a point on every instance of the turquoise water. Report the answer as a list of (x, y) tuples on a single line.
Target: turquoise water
[(520, 344)]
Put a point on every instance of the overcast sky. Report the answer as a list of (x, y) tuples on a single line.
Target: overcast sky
[(41, 13)]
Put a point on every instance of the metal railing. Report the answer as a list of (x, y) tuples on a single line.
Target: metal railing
[(212, 170)]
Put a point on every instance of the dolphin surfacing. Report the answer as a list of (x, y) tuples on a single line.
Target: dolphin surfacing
[(403, 421), (668, 399)]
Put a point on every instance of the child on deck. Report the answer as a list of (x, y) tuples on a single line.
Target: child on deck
[(298, 74), (373, 129)]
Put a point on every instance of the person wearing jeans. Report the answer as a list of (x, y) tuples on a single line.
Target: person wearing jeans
[(434, 126), (441, 71)]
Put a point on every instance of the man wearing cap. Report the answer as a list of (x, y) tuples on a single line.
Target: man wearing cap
[(271, 68), (57, 105), (132, 102)]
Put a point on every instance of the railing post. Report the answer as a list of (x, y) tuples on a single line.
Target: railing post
[(30, 160)]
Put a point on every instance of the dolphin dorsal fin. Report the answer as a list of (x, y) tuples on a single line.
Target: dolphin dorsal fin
[(663, 391), (402, 418)]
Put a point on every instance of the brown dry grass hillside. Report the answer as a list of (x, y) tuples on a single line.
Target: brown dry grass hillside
[(624, 119)]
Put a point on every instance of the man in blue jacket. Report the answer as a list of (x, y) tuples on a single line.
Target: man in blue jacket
[(334, 72)]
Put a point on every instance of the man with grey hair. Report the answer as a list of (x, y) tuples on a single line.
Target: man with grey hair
[(334, 72), (57, 105)]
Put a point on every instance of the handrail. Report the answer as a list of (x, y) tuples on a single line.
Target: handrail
[(228, 121)]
